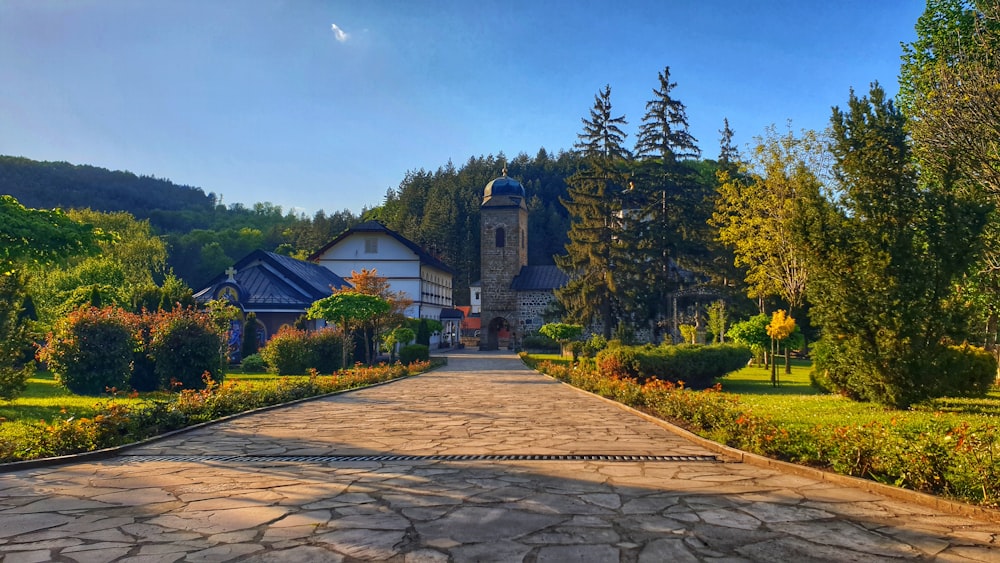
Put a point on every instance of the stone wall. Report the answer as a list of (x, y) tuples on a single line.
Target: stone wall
[(531, 305)]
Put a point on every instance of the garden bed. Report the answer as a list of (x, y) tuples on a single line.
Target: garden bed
[(48, 421), (947, 447)]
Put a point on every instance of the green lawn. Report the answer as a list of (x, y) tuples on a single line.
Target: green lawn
[(45, 399), (795, 403)]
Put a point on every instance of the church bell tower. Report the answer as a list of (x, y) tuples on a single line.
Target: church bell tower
[(503, 219)]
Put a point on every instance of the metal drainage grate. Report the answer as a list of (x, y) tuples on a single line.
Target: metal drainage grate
[(351, 458)]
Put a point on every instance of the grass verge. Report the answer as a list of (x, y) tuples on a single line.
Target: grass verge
[(48, 421)]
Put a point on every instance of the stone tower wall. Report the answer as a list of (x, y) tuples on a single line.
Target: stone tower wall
[(500, 265)]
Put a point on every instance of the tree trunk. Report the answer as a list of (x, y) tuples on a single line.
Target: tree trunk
[(774, 364)]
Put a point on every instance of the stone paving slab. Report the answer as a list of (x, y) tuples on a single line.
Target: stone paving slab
[(140, 508)]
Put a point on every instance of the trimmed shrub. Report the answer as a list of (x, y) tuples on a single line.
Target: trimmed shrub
[(619, 361), (423, 333), (696, 366), (964, 370), (287, 352), (253, 364), (414, 353), (249, 346), (90, 350), (536, 341), (947, 371), (294, 352), (325, 350), (186, 346)]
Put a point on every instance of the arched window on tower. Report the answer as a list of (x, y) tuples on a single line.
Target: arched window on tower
[(501, 238)]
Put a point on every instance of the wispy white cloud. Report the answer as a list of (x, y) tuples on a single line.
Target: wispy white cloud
[(338, 33)]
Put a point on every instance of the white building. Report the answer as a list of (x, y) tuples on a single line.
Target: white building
[(407, 267)]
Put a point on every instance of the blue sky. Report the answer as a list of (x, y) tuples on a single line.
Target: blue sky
[(313, 104)]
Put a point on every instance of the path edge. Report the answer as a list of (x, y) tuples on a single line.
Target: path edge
[(737, 455), (113, 451)]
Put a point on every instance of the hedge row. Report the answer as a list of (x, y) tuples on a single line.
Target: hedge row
[(92, 351), (693, 365)]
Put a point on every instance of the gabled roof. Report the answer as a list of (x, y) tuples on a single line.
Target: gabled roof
[(269, 280), (539, 278), (378, 227)]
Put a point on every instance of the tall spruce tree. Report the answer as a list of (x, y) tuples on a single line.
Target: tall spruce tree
[(667, 207), (664, 129), (594, 206)]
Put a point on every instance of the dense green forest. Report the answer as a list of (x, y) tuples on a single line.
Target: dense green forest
[(203, 237)]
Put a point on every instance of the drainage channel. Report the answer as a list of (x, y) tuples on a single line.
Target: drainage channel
[(356, 458)]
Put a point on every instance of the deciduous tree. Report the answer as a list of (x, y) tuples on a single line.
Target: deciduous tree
[(350, 309), (755, 213)]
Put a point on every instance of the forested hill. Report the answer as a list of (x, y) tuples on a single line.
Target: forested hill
[(203, 237), (47, 185)]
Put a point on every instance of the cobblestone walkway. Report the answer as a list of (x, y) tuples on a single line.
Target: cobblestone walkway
[(397, 473)]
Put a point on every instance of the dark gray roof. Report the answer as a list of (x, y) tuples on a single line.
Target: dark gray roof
[(452, 314), (269, 280), (539, 278), (378, 227)]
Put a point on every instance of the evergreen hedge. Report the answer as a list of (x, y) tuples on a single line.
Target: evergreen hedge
[(696, 365)]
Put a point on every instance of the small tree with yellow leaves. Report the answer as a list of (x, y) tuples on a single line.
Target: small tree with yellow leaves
[(780, 329)]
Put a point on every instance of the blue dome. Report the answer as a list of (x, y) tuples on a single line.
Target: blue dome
[(504, 187)]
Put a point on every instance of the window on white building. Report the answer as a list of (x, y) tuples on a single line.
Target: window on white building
[(371, 245)]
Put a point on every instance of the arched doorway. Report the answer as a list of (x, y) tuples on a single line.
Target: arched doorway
[(498, 334)]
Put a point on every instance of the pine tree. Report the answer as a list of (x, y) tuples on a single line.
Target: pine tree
[(594, 206), (667, 204), (729, 155), (664, 130), (602, 143)]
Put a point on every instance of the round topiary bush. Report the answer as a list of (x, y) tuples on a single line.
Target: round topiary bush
[(186, 346), (287, 352), (253, 364), (325, 350), (90, 350), (414, 353)]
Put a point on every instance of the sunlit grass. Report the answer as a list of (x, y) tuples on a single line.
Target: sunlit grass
[(794, 403), (45, 399)]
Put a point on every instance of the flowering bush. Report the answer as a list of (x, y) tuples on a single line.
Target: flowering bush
[(90, 350), (185, 346)]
